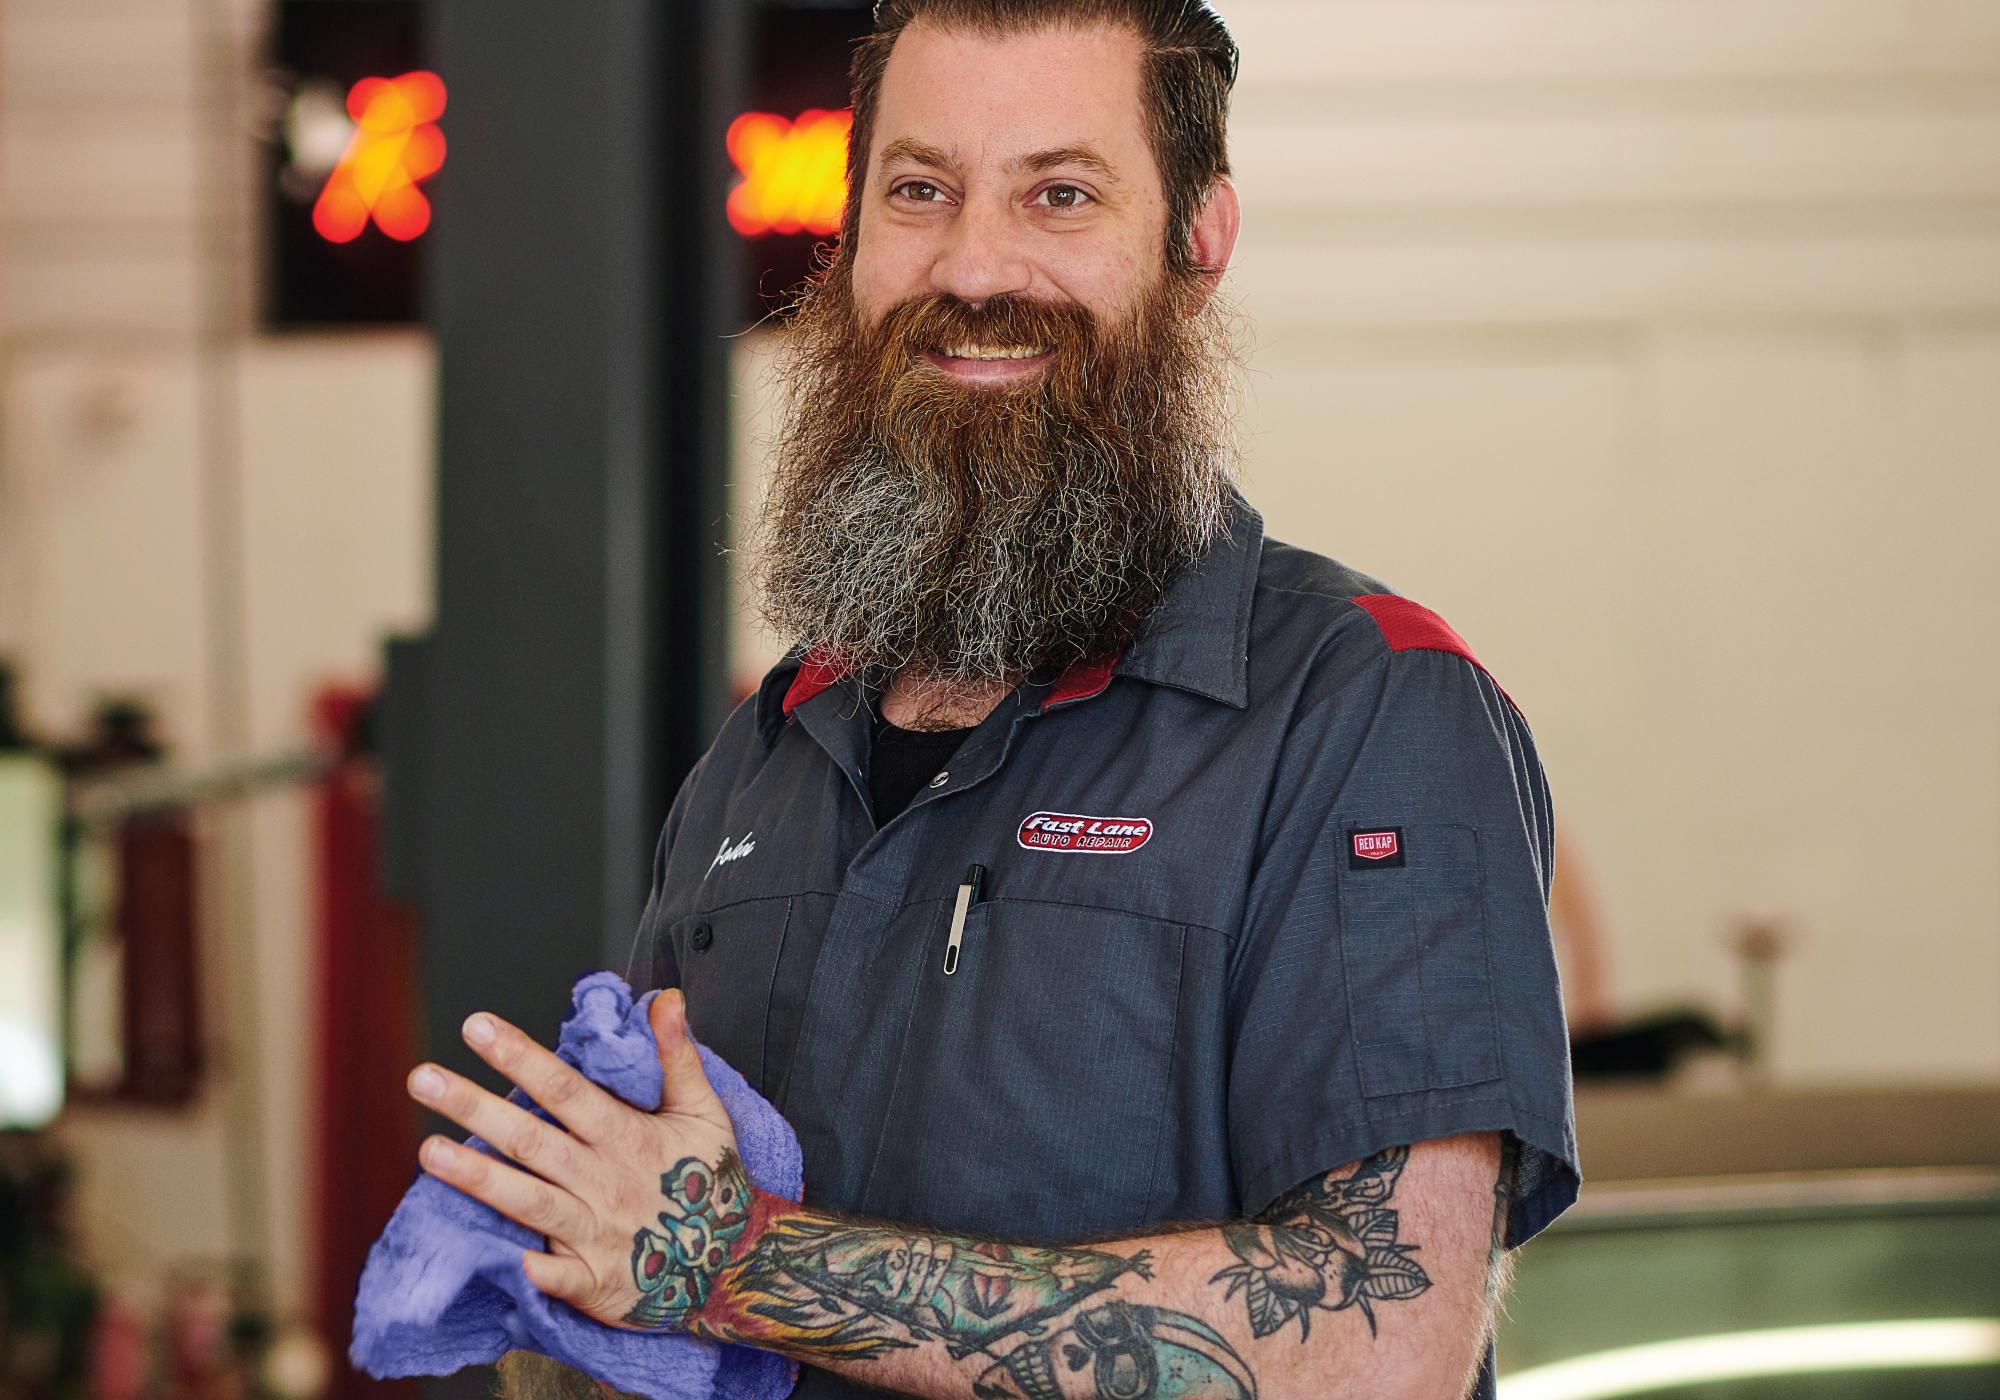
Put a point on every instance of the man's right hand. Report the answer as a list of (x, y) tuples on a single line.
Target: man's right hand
[(641, 1210)]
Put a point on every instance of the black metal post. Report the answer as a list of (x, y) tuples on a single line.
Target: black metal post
[(580, 295)]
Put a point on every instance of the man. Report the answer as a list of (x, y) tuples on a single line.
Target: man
[(1094, 868)]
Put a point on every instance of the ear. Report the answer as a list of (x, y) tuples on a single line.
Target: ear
[(1213, 238)]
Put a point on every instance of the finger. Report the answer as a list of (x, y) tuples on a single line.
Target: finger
[(580, 1105), (687, 1089), (542, 1206), (542, 1148), (560, 1276)]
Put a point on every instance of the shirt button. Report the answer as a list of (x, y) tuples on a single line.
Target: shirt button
[(702, 936), (941, 779)]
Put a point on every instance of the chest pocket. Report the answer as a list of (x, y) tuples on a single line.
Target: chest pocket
[(728, 963), (1032, 1091)]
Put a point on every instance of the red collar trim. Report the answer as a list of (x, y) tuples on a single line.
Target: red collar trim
[(818, 672), (1081, 681)]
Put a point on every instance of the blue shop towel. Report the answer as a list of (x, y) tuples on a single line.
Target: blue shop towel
[(444, 1288)]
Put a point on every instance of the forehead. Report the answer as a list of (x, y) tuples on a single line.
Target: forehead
[(988, 100)]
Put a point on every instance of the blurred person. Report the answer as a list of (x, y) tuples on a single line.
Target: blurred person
[(1094, 871)]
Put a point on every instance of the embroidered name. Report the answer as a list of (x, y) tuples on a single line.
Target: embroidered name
[(1066, 831), (728, 852)]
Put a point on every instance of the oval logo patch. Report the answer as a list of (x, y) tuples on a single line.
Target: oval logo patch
[(1101, 836)]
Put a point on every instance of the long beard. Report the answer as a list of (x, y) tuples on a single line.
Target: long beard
[(969, 535)]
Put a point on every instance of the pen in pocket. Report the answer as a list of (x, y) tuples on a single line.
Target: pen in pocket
[(968, 895)]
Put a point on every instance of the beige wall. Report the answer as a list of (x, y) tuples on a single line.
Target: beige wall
[(1657, 346)]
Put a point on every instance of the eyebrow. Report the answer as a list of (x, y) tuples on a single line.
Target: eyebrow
[(903, 148), (1083, 156), (907, 149)]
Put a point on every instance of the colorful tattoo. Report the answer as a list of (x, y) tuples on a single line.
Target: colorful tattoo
[(1329, 1244), (831, 1290), (675, 1267), (1033, 1323), (1122, 1351)]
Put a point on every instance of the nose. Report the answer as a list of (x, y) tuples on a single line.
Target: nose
[(982, 255)]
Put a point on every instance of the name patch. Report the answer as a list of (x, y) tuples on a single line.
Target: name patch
[(1373, 848), (1099, 836)]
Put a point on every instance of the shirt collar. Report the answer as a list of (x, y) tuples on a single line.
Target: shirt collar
[(1197, 640)]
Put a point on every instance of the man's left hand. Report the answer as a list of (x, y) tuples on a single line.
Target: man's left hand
[(592, 1190)]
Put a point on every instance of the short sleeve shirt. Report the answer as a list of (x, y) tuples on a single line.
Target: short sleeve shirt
[(1265, 896)]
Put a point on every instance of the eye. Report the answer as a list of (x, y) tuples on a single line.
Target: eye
[(1063, 197), (922, 191)]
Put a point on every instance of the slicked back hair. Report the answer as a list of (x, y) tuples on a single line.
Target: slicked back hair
[(1187, 67)]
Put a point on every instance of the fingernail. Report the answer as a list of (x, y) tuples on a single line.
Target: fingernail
[(427, 1083), (437, 1154), (479, 1029)]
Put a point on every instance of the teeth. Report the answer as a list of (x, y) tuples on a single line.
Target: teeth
[(969, 351)]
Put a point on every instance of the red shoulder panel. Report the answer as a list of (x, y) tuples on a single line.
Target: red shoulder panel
[(817, 674), (1409, 626)]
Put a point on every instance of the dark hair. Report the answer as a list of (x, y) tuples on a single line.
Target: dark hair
[(1188, 65)]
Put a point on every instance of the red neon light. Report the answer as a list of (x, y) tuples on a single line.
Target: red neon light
[(794, 172), (394, 145)]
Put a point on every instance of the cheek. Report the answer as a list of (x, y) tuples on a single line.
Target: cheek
[(1106, 278), (890, 266)]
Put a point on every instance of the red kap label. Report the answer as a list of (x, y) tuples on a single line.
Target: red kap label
[(1097, 836), (1371, 849)]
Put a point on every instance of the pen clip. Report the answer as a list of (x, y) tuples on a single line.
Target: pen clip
[(968, 895)]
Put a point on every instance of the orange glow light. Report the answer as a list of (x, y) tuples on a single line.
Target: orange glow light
[(394, 145), (794, 173)]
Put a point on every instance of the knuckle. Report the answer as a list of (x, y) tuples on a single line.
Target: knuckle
[(564, 1086), (525, 1144)]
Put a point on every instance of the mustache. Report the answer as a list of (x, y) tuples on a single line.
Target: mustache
[(896, 346), (942, 320)]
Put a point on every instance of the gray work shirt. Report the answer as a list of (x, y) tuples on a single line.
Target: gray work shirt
[(1266, 896)]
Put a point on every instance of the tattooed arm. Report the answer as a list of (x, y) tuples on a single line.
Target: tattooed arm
[(1374, 1279), (1369, 1281)]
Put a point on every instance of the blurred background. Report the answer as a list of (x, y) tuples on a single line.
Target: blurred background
[(381, 388)]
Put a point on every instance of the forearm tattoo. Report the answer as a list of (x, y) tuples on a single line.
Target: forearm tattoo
[(675, 1267), (1034, 1323), (1330, 1244), (1035, 1319)]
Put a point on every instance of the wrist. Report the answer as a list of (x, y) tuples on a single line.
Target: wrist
[(724, 1313)]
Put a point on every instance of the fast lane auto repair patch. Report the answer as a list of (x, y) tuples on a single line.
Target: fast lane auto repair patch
[(1101, 836)]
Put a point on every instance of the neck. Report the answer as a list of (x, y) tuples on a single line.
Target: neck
[(914, 702)]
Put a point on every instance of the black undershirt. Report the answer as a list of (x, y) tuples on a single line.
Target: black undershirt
[(902, 761)]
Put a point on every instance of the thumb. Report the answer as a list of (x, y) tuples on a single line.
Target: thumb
[(686, 1088)]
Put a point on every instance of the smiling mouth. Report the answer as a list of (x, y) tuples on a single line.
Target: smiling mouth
[(992, 352)]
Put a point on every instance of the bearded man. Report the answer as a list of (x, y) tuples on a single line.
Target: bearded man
[(1094, 867)]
